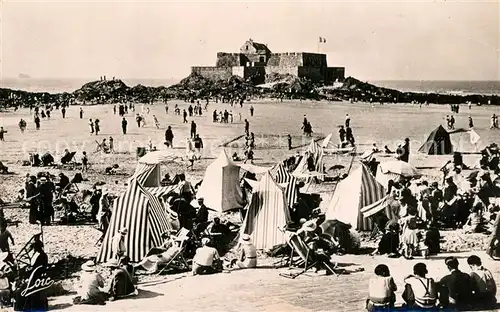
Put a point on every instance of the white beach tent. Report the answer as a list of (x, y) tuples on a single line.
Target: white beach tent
[(355, 192), (395, 170), (221, 185), (267, 213)]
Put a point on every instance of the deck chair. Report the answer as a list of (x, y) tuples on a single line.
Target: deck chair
[(181, 239), (100, 147), (306, 260), (26, 254)]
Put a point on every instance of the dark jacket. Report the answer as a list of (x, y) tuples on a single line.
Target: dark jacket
[(457, 288)]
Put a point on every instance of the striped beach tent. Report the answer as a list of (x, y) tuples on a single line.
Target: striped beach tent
[(302, 171), (357, 191), (267, 213), (284, 178), (145, 218), (148, 170)]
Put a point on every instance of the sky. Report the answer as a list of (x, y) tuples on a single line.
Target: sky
[(374, 40)]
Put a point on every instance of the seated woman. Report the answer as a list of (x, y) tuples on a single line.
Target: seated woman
[(389, 243), (160, 256)]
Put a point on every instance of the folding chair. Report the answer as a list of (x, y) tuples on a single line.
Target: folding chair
[(27, 253), (181, 239), (306, 257)]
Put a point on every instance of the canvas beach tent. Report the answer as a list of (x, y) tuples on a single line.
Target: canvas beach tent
[(286, 180), (267, 213), (395, 170), (438, 143), (148, 170), (145, 218), (355, 192), (331, 148), (302, 171), (221, 185)]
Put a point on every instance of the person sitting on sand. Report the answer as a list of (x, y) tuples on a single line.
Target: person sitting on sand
[(248, 254), (483, 284), (420, 292), (455, 289), (206, 259), (121, 285), (91, 289), (381, 289)]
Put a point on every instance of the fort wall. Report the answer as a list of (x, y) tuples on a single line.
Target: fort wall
[(213, 73)]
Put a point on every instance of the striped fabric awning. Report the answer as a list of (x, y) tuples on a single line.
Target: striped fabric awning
[(145, 218), (148, 175), (302, 171), (282, 176), (161, 191), (382, 204)]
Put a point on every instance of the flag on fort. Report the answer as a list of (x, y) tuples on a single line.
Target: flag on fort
[(322, 40)]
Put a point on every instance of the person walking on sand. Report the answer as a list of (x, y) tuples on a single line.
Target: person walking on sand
[(347, 120), (157, 123), (289, 140), (471, 123), (251, 110), (63, 112), (166, 108), (493, 121), (114, 109), (184, 116), (37, 122), (91, 126), (81, 113)]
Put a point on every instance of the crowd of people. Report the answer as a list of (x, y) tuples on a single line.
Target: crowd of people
[(457, 290)]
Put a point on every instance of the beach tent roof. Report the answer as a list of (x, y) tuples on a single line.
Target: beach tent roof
[(302, 171), (221, 185), (144, 217), (358, 190), (267, 213), (283, 177), (399, 167), (148, 170), (438, 143), (157, 157)]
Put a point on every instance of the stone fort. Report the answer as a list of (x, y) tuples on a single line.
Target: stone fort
[(256, 62)]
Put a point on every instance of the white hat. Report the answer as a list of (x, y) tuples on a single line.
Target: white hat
[(245, 239), (88, 266), (309, 226)]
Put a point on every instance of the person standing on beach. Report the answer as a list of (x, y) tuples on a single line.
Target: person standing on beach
[(289, 140), (342, 134), (81, 113), (91, 125), (184, 115), (347, 120), (166, 108), (193, 129), (124, 125), (63, 112), (114, 109), (471, 123), (251, 110), (37, 122), (247, 127), (96, 126), (169, 137), (2, 131)]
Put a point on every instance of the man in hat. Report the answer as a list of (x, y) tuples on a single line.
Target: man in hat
[(201, 216), (307, 229), (206, 259), (248, 253), (91, 285), (456, 287), (118, 248)]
